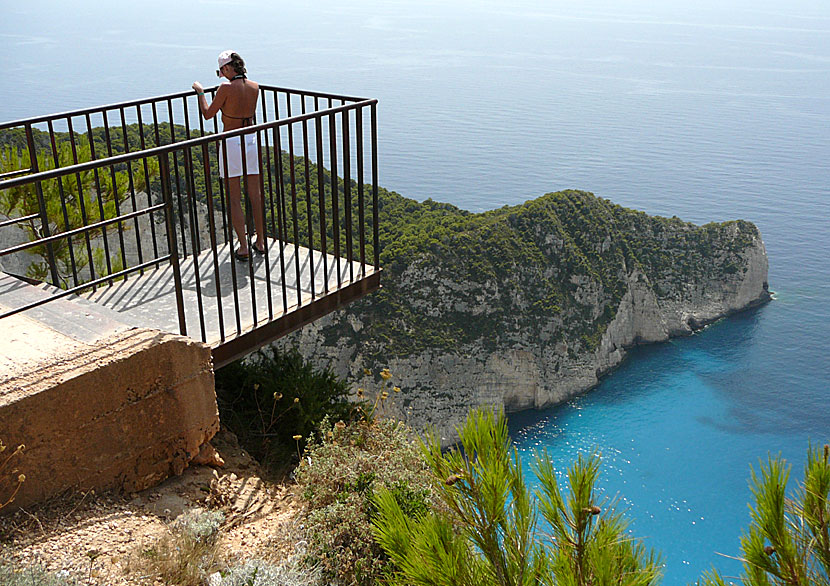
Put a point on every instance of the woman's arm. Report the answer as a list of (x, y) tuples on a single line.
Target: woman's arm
[(210, 111)]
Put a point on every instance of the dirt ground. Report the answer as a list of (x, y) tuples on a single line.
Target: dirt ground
[(98, 538)]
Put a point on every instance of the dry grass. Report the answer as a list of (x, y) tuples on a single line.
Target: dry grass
[(188, 554)]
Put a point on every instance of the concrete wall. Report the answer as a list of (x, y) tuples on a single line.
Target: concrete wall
[(124, 411)]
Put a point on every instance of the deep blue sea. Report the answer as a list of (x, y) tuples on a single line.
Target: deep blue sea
[(711, 111)]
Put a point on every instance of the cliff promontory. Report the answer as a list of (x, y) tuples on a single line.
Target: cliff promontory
[(527, 306)]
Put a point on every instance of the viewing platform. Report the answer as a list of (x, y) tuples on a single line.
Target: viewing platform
[(123, 206)]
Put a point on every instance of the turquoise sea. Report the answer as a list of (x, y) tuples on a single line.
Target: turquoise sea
[(710, 111)]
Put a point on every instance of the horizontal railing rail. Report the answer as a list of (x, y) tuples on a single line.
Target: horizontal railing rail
[(103, 202), (158, 99), (167, 149)]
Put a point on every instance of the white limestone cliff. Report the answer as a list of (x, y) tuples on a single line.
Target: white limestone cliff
[(542, 363)]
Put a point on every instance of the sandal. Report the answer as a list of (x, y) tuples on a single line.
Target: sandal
[(257, 250), (241, 257)]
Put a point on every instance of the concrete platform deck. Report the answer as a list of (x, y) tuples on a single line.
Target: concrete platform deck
[(149, 300), (221, 306)]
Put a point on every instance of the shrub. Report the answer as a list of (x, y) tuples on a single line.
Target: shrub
[(189, 554), (260, 573), (343, 466), (13, 575), (486, 534), (199, 525), (273, 396)]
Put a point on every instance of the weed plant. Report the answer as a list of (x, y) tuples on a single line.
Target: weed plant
[(11, 479), (272, 397), (342, 468)]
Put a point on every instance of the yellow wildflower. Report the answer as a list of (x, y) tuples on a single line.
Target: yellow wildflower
[(298, 437), (385, 374), (396, 389), (21, 479), (296, 399)]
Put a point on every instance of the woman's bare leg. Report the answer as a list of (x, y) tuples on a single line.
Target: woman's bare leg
[(255, 195), (237, 215)]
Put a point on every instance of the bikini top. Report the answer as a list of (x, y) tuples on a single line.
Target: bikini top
[(246, 121)]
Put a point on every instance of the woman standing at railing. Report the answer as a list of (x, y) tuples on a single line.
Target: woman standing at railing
[(237, 99)]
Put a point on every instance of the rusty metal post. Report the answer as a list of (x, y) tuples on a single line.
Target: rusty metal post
[(172, 246)]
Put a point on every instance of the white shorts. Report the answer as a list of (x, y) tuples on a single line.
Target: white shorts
[(235, 157)]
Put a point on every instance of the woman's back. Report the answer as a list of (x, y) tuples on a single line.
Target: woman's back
[(239, 107)]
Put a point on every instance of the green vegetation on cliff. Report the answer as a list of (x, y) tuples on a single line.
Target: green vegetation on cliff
[(565, 254)]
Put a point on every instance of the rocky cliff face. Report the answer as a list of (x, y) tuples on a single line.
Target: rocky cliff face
[(528, 306)]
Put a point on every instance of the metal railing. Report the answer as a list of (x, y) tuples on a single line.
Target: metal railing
[(125, 188)]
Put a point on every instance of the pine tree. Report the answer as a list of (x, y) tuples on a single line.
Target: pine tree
[(787, 542), (485, 533)]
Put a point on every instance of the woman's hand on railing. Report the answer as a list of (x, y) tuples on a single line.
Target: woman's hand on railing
[(198, 87)]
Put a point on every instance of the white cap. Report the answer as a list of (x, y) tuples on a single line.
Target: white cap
[(225, 57)]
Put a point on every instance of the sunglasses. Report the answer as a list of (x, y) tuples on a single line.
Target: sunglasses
[(219, 71)]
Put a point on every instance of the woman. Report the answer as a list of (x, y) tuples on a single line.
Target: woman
[(237, 99)]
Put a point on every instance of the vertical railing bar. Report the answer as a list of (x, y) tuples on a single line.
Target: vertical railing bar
[(156, 125), (268, 164), (98, 191), (186, 119), (321, 192), (268, 295), (345, 120), (82, 203), (62, 196), (196, 242), (361, 219), (178, 178), (295, 220), (231, 252), (226, 230), (213, 243), (201, 124), (280, 228), (167, 197), (132, 191), (244, 184), (115, 194), (44, 219), (281, 215), (190, 185), (334, 192), (375, 227), (208, 189), (150, 217), (290, 131), (308, 202)]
